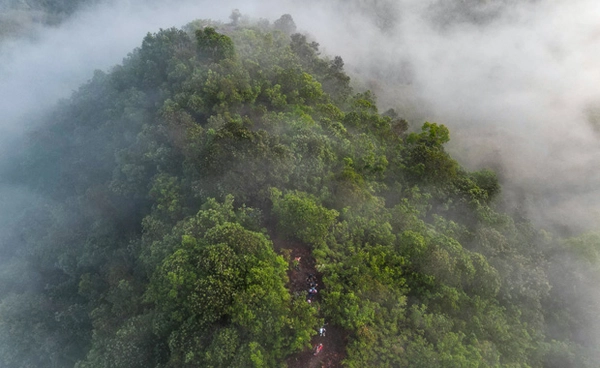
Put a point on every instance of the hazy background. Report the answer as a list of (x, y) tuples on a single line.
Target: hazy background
[(515, 81)]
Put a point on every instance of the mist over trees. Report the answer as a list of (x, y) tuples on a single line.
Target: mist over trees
[(144, 209), (18, 18)]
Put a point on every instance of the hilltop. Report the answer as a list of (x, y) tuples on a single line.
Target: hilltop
[(170, 196)]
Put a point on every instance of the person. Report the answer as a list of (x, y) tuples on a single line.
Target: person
[(309, 297), (322, 331), (318, 349)]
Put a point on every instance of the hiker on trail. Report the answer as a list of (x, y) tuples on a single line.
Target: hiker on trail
[(311, 278), (318, 349), (312, 292), (322, 331), (309, 297)]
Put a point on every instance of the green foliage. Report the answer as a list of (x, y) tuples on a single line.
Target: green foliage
[(426, 158), (157, 56), (162, 178), (229, 276), (488, 181), (214, 46), (301, 216), (32, 332)]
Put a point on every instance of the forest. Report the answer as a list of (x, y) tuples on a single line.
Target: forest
[(170, 210)]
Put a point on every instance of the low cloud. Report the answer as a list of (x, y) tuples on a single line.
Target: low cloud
[(516, 82)]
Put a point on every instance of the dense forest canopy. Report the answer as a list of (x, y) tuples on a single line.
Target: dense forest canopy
[(159, 209)]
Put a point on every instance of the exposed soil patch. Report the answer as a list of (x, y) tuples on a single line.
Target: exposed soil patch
[(331, 356), (334, 341)]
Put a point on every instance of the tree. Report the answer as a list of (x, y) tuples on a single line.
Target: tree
[(300, 216), (213, 46), (426, 157), (235, 16), (285, 24), (229, 281)]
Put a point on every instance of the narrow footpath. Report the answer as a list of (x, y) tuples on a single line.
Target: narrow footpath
[(334, 343)]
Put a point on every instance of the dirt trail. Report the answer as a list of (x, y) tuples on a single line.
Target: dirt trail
[(334, 343)]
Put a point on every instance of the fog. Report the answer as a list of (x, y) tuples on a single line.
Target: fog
[(515, 82), (38, 71)]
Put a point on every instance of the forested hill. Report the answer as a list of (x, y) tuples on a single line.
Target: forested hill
[(148, 203)]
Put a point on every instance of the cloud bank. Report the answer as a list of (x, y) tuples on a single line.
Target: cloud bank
[(516, 82)]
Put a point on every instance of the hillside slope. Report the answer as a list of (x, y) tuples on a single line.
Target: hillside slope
[(154, 194)]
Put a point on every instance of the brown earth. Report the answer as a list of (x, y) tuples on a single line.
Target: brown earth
[(334, 341)]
